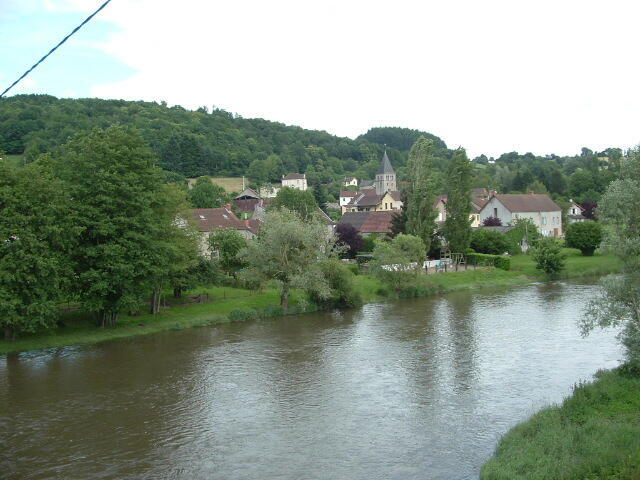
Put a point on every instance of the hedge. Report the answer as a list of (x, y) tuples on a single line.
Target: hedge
[(498, 261)]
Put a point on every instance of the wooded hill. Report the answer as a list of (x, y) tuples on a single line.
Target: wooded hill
[(218, 143), (203, 142)]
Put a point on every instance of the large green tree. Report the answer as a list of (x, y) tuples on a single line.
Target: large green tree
[(206, 194), (228, 243), (286, 251), (300, 201), (116, 193), (421, 213), (457, 226), (36, 234), (398, 263), (619, 303)]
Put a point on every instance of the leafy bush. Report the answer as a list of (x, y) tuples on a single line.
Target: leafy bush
[(489, 241), (240, 315), (585, 236), (349, 236), (272, 311), (492, 222), (341, 287), (548, 256), (399, 262), (368, 244), (354, 268), (523, 229), (498, 261)]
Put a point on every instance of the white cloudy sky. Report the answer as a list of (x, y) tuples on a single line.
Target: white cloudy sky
[(491, 76)]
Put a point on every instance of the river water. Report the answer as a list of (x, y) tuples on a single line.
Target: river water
[(420, 388)]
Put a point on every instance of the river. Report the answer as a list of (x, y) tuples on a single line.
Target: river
[(419, 388)]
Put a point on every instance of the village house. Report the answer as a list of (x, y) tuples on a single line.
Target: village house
[(245, 203), (384, 195), (295, 180), (477, 202), (368, 223), (575, 213), (207, 220), (346, 196), (350, 182), (543, 211)]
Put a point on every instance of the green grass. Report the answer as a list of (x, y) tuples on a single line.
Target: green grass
[(79, 327), (13, 160), (594, 434)]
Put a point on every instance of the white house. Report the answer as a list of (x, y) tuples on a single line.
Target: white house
[(543, 211), (346, 196), (350, 182), (295, 180), (574, 213)]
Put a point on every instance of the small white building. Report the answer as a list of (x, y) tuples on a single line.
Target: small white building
[(575, 213), (350, 182), (295, 180), (543, 211), (346, 196)]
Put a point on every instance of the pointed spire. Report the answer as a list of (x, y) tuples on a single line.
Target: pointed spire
[(385, 166)]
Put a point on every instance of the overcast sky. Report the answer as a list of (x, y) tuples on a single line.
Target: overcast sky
[(491, 76)]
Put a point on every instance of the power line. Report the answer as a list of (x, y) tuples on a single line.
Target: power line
[(55, 48)]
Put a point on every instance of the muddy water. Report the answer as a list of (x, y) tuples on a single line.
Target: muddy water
[(411, 389)]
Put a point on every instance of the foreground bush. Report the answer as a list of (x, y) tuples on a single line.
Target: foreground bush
[(548, 256), (594, 434), (585, 236), (489, 241), (498, 261)]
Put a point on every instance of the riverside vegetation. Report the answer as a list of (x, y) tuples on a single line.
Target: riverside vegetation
[(595, 433)]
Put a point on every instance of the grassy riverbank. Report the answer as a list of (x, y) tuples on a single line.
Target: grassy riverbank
[(594, 434), (226, 304)]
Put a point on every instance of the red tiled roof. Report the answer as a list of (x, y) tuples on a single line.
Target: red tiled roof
[(369, 222), (531, 202), (208, 219), (348, 193)]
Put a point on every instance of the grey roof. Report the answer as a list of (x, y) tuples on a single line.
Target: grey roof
[(385, 166), (366, 183)]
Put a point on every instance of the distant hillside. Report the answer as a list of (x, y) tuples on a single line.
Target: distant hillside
[(194, 143)]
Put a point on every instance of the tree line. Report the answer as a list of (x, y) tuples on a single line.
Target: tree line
[(214, 142)]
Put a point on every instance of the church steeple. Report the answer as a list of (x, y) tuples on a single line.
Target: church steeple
[(386, 176)]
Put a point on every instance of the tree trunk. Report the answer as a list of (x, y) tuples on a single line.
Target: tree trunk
[(177, 292), (9, 334), (155, 302), (284, 296)]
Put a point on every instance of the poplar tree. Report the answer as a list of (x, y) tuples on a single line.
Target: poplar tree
[(457, 226), (421, 197)]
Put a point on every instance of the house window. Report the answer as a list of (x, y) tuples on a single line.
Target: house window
[(544, 220), (495, 212)]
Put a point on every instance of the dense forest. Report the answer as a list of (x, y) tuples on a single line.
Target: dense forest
[(217, 143)]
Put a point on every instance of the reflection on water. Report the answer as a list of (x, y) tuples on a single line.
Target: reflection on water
[(418, 388)]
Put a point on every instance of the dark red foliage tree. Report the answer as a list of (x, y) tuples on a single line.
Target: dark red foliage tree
[(350, 237), (492, 222), (589, 210)]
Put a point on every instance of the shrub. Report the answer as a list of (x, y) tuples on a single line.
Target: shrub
[(399, 262), (353, 268), (349, 236), (548, 256), (240, 315), (492, 222), (272, 311), (341, 287), (498, 261), (585, 236), (489, 241)]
